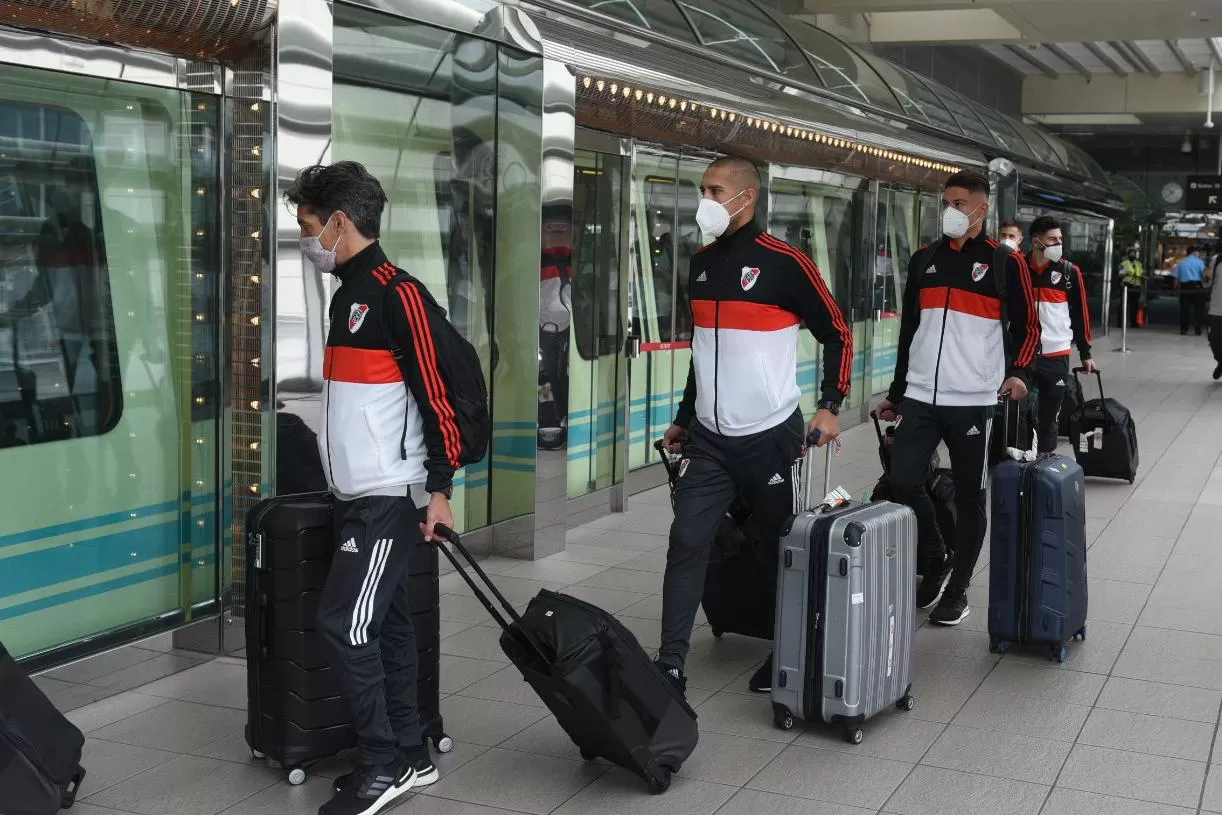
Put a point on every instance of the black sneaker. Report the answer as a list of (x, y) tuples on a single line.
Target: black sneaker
[(761, 682), (953, 609), (1218, 371), (932, 584), (369, 790), (426, 772), (676, 678)]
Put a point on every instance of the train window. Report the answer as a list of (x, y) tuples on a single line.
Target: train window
[(841, 69), (662, 16), (59, 365), (596, 239), (741, 31)]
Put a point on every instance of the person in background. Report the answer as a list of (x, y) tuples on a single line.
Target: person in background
[(1215, 314), (1189, 273), (1011, 234), (1133, 277), (1064, 320), (954, 359), (739, 426)]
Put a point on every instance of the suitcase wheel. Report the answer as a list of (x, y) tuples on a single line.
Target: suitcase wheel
[(297, 776), (1081, 635), (258, 755), (659, 784), (588, 755), (905, 703), (853, 734), (1059, 653), (1000, 646), (782, 718), (443, 743), (717, 633)]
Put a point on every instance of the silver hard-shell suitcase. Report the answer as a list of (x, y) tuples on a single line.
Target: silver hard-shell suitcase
[(846, 612)]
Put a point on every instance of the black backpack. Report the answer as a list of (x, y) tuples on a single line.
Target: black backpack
[(461, 373)]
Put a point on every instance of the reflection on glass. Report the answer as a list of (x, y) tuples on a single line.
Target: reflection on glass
[(741, 31), (662, 16), (824, 222), (594, 356), (841, 68), (437, 178), (926, 97), (108, 356), (895, 242), (555, 318)]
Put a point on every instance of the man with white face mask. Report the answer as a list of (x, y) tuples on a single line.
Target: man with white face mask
[(1011, 234), (1064, 320), (739, 426), (967, 333), (389, 454)]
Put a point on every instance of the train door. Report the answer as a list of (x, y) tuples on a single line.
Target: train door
[(820, 213), (896, 237), (596, 382)]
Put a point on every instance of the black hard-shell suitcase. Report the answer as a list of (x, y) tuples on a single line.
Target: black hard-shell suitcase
[(1104, 437), (297, 713), (593, 675), (1037, 560), (40, 750), (740, 581)]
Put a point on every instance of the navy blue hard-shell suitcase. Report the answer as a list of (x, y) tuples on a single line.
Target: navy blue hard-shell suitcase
[(1037, 566)]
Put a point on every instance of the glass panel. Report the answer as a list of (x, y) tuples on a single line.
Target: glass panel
[(653, 388), (109, 277), (962, 109), (594, 360), (1002, 131), (1038, 143), (824, 222), (662, 16), (909, 99), (744, 32), (896, 240), (842, 70), (439, 180), (930, 228), (927, 99)]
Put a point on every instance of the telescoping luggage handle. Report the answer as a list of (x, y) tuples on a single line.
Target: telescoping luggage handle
[(443, 531), (1098, 376), (808, 469), (660, 446)]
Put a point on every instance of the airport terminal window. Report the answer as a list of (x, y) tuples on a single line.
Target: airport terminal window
[(59, 367), (741, 31), (662, 16)]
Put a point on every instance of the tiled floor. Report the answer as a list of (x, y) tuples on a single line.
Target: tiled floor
[(1126, 727)]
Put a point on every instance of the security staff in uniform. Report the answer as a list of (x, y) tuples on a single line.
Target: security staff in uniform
[(739, 426), (950, 367), (1133, 277)]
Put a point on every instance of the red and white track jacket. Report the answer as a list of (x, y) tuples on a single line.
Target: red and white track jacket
[(749, 293), (378, 437), (951, 347), (1064, 315)]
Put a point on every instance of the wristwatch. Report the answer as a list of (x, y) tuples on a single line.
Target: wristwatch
[(830, 405)]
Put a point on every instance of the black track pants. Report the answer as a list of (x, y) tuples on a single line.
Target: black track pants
[(1051, 374), (1215, 336), (966, 433), (762, 467), (364, 619)]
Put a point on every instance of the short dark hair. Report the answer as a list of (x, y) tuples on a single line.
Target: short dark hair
[(970, 180), (1010, 223), (743, 170), (1044, 224), (345, 186)]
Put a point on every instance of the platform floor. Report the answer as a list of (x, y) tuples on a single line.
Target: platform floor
[(1126, 727)]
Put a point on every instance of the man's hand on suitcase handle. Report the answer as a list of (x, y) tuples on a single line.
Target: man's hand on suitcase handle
[(824, 428), (674, 439), (1013, 388), (439, 516)]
